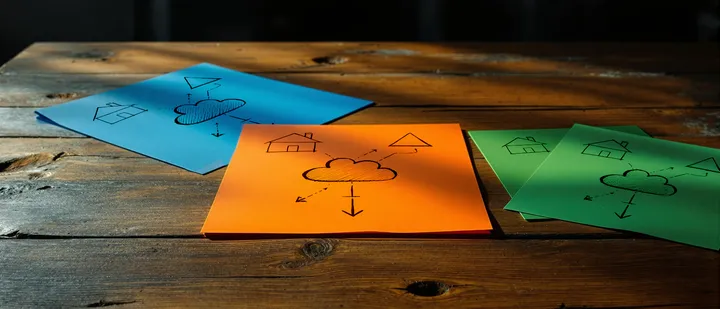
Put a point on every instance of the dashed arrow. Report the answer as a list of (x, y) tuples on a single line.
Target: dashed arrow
[(301, 199), (367, 153), (394, 153), (217, 131)]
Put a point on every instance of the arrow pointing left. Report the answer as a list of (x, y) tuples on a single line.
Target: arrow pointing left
[(301, 199)]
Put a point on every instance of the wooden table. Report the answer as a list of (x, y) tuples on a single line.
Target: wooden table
[(87, 224)]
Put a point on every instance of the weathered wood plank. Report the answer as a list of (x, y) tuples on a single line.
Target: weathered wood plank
[(568, 58), (300, 273), (86, 187), (40, 90), (21, 122)]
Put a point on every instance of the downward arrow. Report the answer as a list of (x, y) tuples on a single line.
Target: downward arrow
[(352, 212), (217, 131), (622, 215)]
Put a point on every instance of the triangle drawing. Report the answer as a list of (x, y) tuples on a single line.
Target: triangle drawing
[(195, 82), (410, 140), (708, 164)]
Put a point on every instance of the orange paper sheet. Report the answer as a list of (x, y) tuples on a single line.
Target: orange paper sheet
[(330, 179)]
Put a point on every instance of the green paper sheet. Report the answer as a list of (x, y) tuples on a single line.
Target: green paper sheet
[(617, 180), (514, 155)]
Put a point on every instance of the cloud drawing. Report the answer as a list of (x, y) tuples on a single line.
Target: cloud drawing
[(348, 170), (640, 181), (205, 110)]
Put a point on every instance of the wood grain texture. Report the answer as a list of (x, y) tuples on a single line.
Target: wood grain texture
[(193, 273), (22, 122), (519, 92), (569, 58), (84, 187), (87, 224)]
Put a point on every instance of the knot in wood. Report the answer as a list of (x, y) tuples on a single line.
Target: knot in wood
[(330, 60), (318, 250), (428, 288)]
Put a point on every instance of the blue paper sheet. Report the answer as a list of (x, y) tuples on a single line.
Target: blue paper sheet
[(192, 118)]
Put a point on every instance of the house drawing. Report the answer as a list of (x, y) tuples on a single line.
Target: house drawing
[(113, 113), (523, 145), (610, 149), (293, 142)]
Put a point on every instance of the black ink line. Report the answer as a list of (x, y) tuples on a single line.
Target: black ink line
[(394, 153), (623, 216), (301, 199), (620, 181), (349, 170), (208, 91), (331, 157), (590, 198), (706, 174), (665, 169), (243, 119), (217, 131), (205, 110), (367, 153), (352, 196)]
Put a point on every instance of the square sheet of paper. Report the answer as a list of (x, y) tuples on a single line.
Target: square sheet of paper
[(286, 179), (514, 155), (192, 118), (624, 181)]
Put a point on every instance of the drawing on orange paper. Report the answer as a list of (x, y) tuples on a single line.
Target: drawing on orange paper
[(349, 179)]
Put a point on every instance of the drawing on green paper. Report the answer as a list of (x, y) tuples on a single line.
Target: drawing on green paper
[(637, 181), (525, 145), (709, 165), (610, 149)]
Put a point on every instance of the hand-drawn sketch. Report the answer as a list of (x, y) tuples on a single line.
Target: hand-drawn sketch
[(409, 140), (195, 82), (397, 153), (349, 170), (709, 165), (352, 197), (524, 145), (113, 113), (301, 199), (244, 120), (293, 142), (610, 149), (637, 181), (205, 110), (217, 131)]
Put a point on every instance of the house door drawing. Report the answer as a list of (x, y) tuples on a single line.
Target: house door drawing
[(528, 149), (604, 153), (293, 148)]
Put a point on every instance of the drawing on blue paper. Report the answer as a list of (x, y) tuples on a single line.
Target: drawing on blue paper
[(112, 113)]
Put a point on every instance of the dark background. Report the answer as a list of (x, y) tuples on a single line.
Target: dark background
[(23, 22)]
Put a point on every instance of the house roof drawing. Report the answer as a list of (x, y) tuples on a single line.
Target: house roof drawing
[(112, 107), (524, 141), (611, 144), (294, 138)]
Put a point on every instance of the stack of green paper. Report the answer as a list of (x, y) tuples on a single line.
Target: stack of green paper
[(616, 177)]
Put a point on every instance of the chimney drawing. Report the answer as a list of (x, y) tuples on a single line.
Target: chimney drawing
[(309, 135), (624, 143), (530, 138)]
